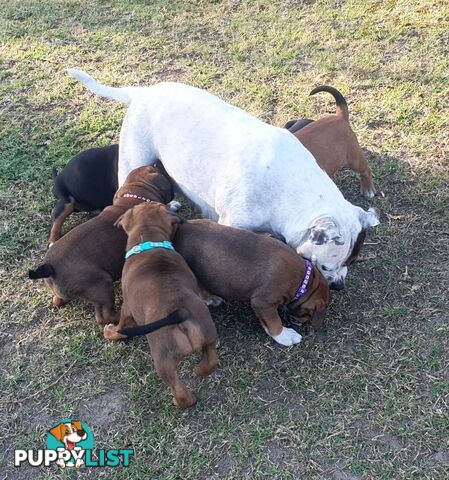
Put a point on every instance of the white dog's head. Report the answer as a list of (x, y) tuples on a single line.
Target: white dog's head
[(332, 246)]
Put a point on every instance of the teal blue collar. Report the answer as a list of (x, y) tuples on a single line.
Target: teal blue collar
[(143, 247)]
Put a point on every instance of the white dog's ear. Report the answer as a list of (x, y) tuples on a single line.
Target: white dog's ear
[(369, 219), (325, 230)]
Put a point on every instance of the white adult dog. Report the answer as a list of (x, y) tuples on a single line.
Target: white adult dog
[(238, 170)]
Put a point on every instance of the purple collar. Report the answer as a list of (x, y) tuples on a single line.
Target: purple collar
[(302, 289)]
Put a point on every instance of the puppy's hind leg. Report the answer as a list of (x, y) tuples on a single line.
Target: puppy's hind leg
[(64, 207), (59, 302), (366, 184), (101, 294), (208, 362), (209, 299), (360, 165), (111, 332), (166, 366)]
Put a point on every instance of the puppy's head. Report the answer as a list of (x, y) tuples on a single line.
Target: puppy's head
[(149, 216), (332, 247), (147, 182), (314, 307)]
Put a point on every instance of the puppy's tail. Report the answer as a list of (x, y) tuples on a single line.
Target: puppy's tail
[(119, 94), (342, 107), (178, 316), (54, 173), (43, 271)]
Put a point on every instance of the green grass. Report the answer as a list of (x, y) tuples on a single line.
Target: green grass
[(367, 400)]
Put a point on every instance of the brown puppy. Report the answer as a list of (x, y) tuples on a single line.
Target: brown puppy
[(88, 259), (159, 288), (333, 143), (242, 265)]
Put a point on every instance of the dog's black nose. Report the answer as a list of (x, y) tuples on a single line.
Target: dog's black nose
[(81, 433), (339, 285)]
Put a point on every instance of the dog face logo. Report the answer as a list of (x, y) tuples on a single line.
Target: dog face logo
[(69, 433), (70, 438), (70, 443)]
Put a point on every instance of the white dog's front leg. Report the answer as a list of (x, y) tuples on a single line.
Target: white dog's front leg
[(287, 337), (174, 206)]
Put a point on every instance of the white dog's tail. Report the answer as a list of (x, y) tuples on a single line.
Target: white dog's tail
[(119, 94)]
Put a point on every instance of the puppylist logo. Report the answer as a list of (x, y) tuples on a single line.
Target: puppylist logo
[(70, 443)]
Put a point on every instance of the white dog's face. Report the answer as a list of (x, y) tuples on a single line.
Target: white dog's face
[(332, 249), (329, 258)]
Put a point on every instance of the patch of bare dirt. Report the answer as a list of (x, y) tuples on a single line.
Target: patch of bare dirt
[(104, 410)]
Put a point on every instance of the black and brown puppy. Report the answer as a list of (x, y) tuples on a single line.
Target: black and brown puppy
[(238, 264), (87, 260), (333, 143), (86, 184), (158, 287)]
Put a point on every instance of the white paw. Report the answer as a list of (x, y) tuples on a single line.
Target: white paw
[(214, 301), (174, 206), (288, 337), (368, 193)]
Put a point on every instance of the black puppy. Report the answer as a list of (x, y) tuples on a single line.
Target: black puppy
[(295, 125), (86, 184)]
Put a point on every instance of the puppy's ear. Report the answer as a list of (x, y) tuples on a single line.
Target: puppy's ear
[(289, 124), (369, 219), (118, 222), (121, 221), (325, 230), (58, 432), (175, 218)]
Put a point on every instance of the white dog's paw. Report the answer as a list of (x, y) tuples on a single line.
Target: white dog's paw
[(287, 337), (174, 206)]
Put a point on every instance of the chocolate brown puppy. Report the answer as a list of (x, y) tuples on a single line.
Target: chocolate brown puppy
[(161, 295), (241, 265), (333, 143), (88, 259)]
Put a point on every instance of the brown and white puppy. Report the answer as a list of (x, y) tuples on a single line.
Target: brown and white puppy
[(333, 143), (159, 288), (238, 264), (88, 259)]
